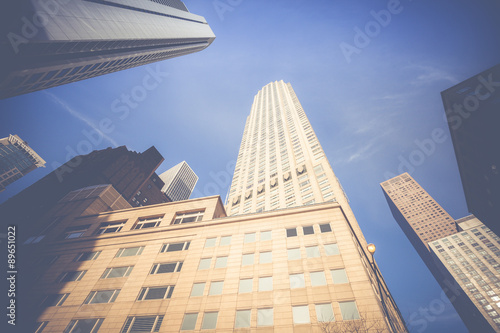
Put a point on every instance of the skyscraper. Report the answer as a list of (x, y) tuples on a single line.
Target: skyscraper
[(427, 224), (16, 160), (472, 112), (48, 43), (180, 181)]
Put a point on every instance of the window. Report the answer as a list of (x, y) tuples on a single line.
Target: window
[(297, 281), (266, 283), (293, 254), (325, 227), (324, 312), (103, 296), (129, 252), (71, 276), (242, 318), (318, 279), (75, 232), (84, 325), (188, 217), (216, 288), (149, 222), (221, 262), (209, 320), (312, 251), (116, 272), (225, 240), (210, 242), (247, 259), (265, 317), (142, 324), (266, 257), (198, 289), (249, 238), (331, 249), (291, 232), (155, 293), (308, 230), (85, 256), (265, 235), (246, 286), (301, 314), (339, 276), (349, 310), (40, 326), (204, 264), (175, 247), (54, 300), (189, 322), (166, 268), (109, 227)]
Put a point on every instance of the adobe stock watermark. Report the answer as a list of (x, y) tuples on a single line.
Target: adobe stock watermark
[(372, 28), (223, 6), (121, 106), (219, 181)]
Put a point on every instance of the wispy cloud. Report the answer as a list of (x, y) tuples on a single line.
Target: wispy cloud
[(429, 74), (80, 117)]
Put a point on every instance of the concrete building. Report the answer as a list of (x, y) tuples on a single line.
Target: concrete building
[(472, 112), (426, 224), (48, 43), (17, 159), (180, 181)]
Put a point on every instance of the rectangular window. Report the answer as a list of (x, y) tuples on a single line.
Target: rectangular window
[(266, 283), (188, 217), (265, 235), (318, 279), (209, 320), (247, 259), (331, 249), (116, 272), (312, 251), (297, 281), (54, 300), (71, 276), (246, 286), (225, 240), (86, 256), (249, 238), (221, 262), (292, 232), (75, 232), (103, 296), (198, 289), (84, 325), (173, 247), (204, 264), (324, 312), (108, 227), (166, 268), (210, 242), (266, 257), (293, 254), (242, 318), (339, 276), (129, 252), (349, 310), (265, 317), (308, 230), (189, 322), (301, 314), (216, 288), (142, 324), (150, 293), (149, 222)]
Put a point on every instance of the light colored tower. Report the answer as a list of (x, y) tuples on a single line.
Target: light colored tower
[(16, 160), (48, 43), (180, 181)]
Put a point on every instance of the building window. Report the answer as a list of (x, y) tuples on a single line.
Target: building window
[(149, 222), (204, 264), (293, 254), (189, 322), (266, 257), (266, 283), (246, 286), (349, 310), (325, 227), (292, 232), (297, 281), (106, 228), (339, 276), (54, 300), (265, 235), (86, 256), (247, 259), (175, 247), (225, 240), (71, 276), (84, 325), (308, 230), (209, 320), (331, 249), (188, 217), (221, 262), (301, 314), (103, 296), (116, 272), (150, 293), (166, 268), (324, 312), (249, 238), (75, 232), (129, 252), (318, 279), (198, 289), (242, 318), (210, 242), (265, 317), (142, 324), (312, 251), (216, 288)]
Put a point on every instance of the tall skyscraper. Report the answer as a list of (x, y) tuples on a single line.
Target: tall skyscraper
[(48, 43), (472, 111), (17, 159), (180, 181), (426, 223)]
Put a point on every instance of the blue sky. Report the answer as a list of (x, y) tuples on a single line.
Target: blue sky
[(368, 112)]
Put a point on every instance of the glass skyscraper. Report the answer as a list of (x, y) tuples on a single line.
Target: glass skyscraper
[(180, 181)]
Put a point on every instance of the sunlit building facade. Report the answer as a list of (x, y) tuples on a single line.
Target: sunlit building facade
[(180, 181)]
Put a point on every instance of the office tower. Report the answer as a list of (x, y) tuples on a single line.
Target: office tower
[(424, 222), (48, 43), (185, 265), (17, 159), (471, 256), (472, 113), (126, 170), (150, 192), (180, 181)]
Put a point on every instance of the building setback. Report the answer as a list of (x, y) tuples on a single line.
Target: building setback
[(48, 43), (180, 181), (17, 159)]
